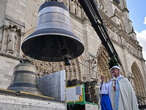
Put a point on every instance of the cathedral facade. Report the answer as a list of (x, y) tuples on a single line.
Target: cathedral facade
[(18, 19)]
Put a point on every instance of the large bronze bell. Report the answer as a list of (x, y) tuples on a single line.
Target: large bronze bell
[(24, 78), (53, 39)]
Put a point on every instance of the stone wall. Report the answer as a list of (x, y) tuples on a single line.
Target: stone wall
[(2, 12), (8, 102), (6, 71)]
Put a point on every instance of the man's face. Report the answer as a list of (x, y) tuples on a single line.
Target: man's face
[(115, 72)]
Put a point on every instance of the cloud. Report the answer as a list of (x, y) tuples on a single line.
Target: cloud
[(144, 20), (141, 37)]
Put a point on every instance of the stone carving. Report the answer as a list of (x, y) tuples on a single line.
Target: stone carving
[(72, 7), (89, 67), (11, 41), (72, 71), (14, 34), (78, 11), (102, 64), (126, 39), (66, 2), (130, 77), (1, 29), (117, 19), (100, 4), (93, 67)]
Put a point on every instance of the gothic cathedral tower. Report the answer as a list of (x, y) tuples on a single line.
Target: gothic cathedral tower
[(18, 18)]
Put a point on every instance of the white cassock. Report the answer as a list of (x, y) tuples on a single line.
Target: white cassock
[(123, 98)]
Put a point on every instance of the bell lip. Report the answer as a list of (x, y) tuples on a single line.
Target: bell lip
[(72, 36), (69, 35), (53, 3)]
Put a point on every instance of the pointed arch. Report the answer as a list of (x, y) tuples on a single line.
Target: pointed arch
[(138, 82), (102, 62)]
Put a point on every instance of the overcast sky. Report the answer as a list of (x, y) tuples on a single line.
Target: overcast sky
[(137, 14)]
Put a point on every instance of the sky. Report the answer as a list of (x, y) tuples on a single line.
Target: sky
[(137, 13)]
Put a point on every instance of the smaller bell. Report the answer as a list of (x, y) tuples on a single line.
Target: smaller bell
[(24, 78)]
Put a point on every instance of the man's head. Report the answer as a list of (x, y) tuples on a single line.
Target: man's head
[(115, 71)]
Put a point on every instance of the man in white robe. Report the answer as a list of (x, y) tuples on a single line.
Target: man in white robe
[(121, 93)]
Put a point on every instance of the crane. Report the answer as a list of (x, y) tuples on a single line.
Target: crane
[(91, 10)]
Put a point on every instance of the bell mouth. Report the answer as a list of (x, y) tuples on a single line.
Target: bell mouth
[(52, 45)]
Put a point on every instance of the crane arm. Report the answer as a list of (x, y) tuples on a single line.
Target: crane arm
[(91, 10)]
